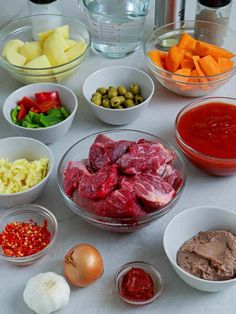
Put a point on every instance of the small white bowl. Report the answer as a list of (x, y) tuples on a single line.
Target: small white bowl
[(47, 134), (13, 148), (116, 76), (186, 225)]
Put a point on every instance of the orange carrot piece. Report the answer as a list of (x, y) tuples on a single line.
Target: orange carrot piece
[(198, 69), (155, 57), (192, 79), (174, 58), (203, 49), (209, 65), (200, 73), (187, 63), (187, 42), (188, 55), (183, 71), (225, 64)]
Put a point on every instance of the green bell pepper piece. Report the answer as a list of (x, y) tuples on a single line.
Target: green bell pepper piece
[(35, 117), (48, 120), (65, 112), (55, 113), (14, 114), (27, 124)]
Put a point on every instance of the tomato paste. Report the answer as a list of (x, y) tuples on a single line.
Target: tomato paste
[(210, 129), (137, 285)]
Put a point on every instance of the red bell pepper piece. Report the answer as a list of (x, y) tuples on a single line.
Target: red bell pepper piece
[(47, 105), (33, 109), (43, 96), (22, 112), (27, 102)]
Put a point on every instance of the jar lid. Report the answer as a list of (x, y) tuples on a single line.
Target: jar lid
[(214, 3), (42, 1)]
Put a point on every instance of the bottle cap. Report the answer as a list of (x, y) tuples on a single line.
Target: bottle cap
[(42, 1), (214, 3)]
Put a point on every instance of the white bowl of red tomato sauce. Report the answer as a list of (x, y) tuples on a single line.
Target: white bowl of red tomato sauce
[(205, 131)]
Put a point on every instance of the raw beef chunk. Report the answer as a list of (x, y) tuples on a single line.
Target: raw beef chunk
[(126, 203), (153, 191), (105, 151), (172, 176), (119, 204), (73, 173), (125, 182), (144, 156), (99, 184)]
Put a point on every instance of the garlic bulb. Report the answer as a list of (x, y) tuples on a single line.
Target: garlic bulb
[(46, 293)]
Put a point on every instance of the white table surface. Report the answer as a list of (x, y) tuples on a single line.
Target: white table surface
[(117, 249)]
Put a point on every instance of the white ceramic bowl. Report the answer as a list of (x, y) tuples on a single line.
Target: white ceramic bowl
[(14, 148), (116, 76), (47, 134), (186, 225)]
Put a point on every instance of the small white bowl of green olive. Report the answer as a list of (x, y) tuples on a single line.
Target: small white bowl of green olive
[(118, 94)]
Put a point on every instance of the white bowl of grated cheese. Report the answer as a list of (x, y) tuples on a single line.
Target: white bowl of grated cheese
[(25, 167)]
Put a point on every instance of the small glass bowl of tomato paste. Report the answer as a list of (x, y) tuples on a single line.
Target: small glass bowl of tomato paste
[(27, 232), (138, 283), (205, 131)]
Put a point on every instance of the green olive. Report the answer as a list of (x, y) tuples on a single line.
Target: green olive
[(112, 93), (121, 90), (122, 99), (134, 88), (115, 102), (111, 87), (101, 90), (138, 99), (97, 100), (128, 103), (97, 94), (119, 107), (105, 97), (106, 103), (129, 95)]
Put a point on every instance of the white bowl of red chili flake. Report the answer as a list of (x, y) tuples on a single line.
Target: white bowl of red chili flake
[(27, 232)]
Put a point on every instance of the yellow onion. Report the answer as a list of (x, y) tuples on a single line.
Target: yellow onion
[(83, 265)]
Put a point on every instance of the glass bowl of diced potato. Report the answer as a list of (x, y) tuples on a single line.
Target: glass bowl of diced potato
[(50, 55), (191, 58)]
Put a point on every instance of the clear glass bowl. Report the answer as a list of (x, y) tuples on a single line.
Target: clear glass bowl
[(25, 213), (80, 151), (168, 35), (22, 29), (209, 164), (150, 269)]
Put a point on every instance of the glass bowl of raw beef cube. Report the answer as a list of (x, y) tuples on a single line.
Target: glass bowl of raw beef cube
[(121, 180)]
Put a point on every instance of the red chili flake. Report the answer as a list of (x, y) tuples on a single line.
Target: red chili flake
[(24, 238), (137, 285)]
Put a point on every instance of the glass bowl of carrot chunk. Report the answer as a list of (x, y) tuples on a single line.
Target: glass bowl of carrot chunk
[(191, 58)]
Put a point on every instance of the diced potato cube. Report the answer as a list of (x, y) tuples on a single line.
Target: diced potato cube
[(76, 50), (63, 30), (15, 58), (54, 47), (31, 50), (70, 43), (12, 45)]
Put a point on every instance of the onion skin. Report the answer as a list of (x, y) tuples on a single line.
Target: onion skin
[(83, 265)]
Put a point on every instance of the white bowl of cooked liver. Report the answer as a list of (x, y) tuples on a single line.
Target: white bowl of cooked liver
[(188, 224)]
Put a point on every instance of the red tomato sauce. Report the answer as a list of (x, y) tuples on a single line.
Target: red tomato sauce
[(210, 129), (137, 285)]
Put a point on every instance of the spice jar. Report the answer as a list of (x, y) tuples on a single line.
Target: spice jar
[(43, 23), (217, 11)]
